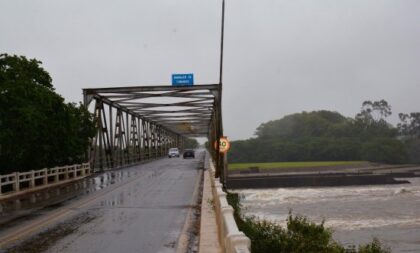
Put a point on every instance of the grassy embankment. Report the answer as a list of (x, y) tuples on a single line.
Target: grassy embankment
[(279, 165)]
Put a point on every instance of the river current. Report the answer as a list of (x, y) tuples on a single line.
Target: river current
[(357, 214)]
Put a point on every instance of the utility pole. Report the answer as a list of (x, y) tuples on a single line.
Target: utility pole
[(221, 157)]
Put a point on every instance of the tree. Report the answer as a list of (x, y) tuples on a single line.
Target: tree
[(325, 136), (298, 125), (191, 143), (409, 131), (409, 125), (374, 111), (384, 150), (37, 128), (371, 121)]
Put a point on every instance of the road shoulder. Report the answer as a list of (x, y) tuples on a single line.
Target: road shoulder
[(209, 239)]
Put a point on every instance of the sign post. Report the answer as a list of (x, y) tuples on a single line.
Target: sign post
[(182, 79)]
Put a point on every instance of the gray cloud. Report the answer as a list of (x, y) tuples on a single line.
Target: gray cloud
[(281, 57)]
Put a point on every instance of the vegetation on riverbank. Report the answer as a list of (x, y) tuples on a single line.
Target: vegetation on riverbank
[(329, 136), (301, 235), (280, 165)]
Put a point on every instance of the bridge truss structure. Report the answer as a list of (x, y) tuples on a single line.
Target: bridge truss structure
[(135, 124), (139, 123)]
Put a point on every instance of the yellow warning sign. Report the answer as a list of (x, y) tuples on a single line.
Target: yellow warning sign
[(224, 145)]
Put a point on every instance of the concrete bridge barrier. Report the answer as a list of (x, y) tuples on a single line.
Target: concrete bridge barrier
[(231, 239), (23, 182)]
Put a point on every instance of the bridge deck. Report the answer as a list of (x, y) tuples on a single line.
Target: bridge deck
[(140, 209)]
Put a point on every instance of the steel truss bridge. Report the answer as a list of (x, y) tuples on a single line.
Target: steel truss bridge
[(140, 123), (135, 124)]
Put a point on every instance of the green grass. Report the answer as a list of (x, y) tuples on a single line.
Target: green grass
[(238, 166)]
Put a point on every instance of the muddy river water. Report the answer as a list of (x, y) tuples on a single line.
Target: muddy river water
[(390, 213)]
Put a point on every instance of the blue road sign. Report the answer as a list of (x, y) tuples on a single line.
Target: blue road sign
[(182, 79)]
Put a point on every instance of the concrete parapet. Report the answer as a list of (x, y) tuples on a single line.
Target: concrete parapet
[(232, 240), (21, 182)]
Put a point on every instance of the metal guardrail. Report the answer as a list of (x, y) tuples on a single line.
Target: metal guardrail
[(232, 240), (17, 182)]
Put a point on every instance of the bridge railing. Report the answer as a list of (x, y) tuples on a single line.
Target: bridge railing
[(232, 240), (19, 182), (126, 160)]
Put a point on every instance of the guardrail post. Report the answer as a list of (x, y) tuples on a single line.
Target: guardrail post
[(16, 186), (66, 173), (32, 180), (85, 171), (45, 179), (73, 171), (56, 175), (75, 167)]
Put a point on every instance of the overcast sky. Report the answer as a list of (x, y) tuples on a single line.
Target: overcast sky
[(281, 56)]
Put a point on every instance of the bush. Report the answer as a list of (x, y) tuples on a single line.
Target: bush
[(413, 149), (300, 236), (374, 247)]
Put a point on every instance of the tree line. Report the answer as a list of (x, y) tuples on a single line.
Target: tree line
[(191, 143), (329, 136), (38, 129)]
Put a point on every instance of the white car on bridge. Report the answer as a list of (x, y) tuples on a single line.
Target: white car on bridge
[(173, 152)]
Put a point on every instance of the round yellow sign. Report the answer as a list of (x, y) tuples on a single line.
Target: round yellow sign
[(224, 145)]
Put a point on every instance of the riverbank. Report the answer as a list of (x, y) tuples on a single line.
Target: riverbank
[(269, 166), (322, 177), (299, 235), (356, 214)]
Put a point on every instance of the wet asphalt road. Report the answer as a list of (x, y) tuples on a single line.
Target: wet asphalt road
[(137, 209)]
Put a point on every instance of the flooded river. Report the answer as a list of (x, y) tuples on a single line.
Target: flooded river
[(390, 213)]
